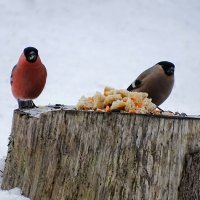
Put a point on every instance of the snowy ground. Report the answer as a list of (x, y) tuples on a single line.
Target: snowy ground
[(87, 44)]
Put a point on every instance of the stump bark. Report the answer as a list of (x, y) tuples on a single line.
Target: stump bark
[(68, 155), (190, 183)]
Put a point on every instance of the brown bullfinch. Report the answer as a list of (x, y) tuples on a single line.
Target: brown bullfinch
[(157, 81), (28, 78)]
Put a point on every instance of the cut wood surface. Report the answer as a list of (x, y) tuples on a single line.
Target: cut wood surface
[(66, 154)]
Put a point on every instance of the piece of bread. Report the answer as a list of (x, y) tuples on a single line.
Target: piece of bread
[(99, 100), (85, 103), (118, 105), (110, 98)]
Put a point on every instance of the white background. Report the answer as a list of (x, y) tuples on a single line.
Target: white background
[(87, 44)]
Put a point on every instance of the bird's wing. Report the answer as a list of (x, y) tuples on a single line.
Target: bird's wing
[(140, 79), (134, 85), (11, 76)]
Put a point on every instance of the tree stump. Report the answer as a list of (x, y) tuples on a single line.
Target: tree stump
[(68, 155)]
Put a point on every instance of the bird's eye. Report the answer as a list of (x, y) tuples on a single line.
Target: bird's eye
[(170, 71), (137, 82)]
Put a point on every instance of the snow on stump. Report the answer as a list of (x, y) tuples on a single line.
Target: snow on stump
[(67, 154)]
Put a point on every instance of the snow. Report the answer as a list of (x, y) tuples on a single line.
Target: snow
[(87, 44), (13, 194)]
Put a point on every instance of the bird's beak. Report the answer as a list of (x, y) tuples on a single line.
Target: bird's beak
[(130, 88)]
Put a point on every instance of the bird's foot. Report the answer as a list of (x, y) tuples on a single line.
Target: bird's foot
[(157, 111), (26, 104), (161, 110)]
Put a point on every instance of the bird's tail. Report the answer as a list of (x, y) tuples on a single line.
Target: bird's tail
[(26, 104)]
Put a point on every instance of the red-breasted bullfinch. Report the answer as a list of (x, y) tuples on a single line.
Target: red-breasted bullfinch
[(157, 81), (28, 78)]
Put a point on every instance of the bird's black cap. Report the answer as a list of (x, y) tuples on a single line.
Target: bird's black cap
[(168, 67), (31, 54)]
